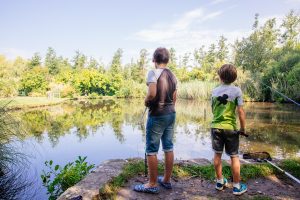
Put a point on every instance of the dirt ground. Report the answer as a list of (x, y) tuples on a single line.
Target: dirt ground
[(196, 188)]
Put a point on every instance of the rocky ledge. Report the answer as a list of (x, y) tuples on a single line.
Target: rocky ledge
[(88, 188)]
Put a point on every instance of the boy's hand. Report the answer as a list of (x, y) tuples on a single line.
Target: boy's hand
[(147, 103), (242, 117), (242, 132)]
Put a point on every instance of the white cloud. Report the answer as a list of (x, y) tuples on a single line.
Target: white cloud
[(177, 28), (187, 19), (187, 32), (162, 32)]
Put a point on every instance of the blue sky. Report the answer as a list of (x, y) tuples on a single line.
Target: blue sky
[(99, 28)]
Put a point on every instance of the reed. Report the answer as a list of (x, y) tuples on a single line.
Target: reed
[(196, 90), (13, 180)]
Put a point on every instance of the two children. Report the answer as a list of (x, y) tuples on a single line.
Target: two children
[(226, 99)]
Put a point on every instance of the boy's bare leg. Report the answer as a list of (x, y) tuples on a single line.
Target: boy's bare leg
[(218, 165), (152, 170), (235, 168), (169, 160)]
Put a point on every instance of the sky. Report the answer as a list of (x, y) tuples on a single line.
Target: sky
[(99, 27)]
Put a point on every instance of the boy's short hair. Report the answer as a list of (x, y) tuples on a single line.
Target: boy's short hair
[(227, 73), (161, 55)]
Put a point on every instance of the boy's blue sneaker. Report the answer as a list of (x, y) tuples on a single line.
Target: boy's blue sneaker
[(243, 189), (220, 186), (165, 185)]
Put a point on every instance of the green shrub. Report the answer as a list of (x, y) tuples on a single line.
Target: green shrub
[(132, 89), (87, 81), (34, 80), (58, 179), (8, 88), (68, 92)]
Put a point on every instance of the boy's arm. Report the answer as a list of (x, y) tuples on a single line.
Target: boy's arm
[(242, 118), (175, 97), (150, 94)]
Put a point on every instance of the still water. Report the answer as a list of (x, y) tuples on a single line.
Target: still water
[(107, 129)]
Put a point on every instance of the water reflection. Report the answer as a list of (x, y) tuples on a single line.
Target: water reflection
[(273, 128), (83, 116)]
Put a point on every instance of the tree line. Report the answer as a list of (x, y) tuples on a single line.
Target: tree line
[(270, 55)]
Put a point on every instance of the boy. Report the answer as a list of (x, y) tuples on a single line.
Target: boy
[(161, 99), (226, 99)]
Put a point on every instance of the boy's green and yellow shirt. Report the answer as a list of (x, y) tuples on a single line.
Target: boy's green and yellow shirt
[(225, 99)]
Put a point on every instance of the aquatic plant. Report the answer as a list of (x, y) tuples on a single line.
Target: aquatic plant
[(13, 180), (58, 179)]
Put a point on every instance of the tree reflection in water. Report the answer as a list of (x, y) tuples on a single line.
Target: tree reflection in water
[(271, 126)]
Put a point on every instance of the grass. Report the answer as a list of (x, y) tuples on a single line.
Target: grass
[(249, 171), (131, 169), (198, 90), (28, 102), (292, 166), (208, 172)]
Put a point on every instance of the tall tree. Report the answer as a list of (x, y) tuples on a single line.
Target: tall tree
[(116, 67), (35, 61), (19, 66), (79, 60), (101, 67), (199, 55), (127, 73), (186, 59), (255, 52), (143, 60), (51, 61), (63, 63), (93, 63), (222, 51), (173, 60), (291, 25), (139, 69), (211, 54), (255, 24)]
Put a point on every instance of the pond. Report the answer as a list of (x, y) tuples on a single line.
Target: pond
[(108, 129)]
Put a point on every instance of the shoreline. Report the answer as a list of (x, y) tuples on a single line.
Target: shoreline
[(12, 104), (114, 178), (15, 103)]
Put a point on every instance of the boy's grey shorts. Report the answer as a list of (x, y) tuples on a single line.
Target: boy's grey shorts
[(227, 138)]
